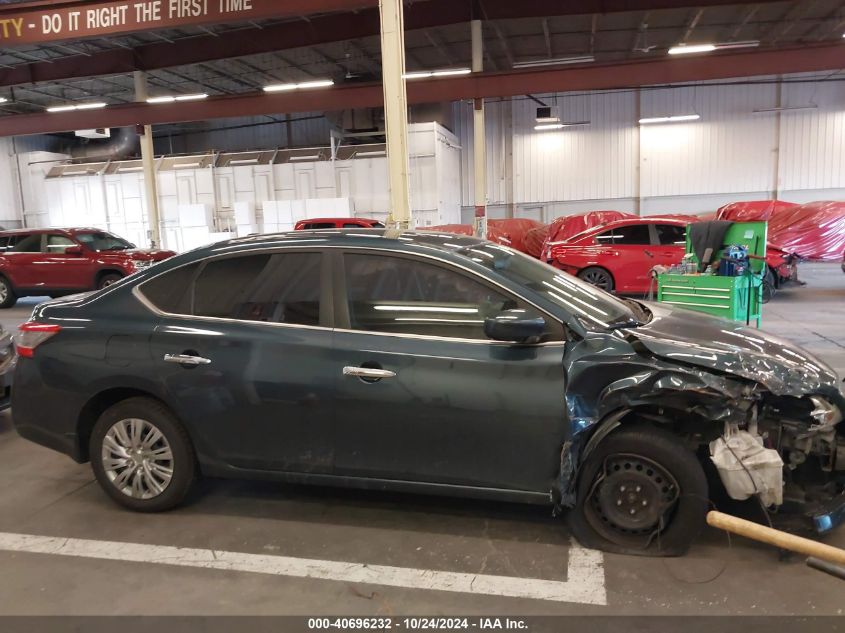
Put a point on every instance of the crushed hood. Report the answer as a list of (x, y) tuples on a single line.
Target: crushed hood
[(693, 338)]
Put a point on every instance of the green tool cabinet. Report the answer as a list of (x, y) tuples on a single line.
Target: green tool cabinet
[(734, 298)]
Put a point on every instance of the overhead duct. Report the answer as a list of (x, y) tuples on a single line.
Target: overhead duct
[(122, 144)]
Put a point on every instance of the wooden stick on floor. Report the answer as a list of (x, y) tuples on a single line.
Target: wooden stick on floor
[(768, 535)]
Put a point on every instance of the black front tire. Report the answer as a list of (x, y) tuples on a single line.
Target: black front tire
[(183, 463), (672, 480), (9, 298), (107, 280)]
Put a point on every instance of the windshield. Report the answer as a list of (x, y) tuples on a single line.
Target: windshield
[(595, 308), (102, 241)]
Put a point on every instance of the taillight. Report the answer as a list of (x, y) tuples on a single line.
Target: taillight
[(32, 334)]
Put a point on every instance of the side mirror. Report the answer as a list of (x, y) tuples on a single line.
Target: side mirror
[(73, 250), (518, 326)]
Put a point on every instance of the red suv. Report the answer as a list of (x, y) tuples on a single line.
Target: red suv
[(338, 223), (55, 262)]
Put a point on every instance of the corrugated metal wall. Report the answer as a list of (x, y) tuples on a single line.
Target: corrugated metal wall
[(731, 153)]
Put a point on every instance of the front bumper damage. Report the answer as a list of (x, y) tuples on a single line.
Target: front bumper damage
[(796, 459)]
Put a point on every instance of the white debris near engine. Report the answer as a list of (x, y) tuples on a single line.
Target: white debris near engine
[(746, 467)]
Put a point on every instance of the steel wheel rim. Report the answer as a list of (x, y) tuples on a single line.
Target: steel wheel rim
[(137, 458), (598, 279), (615, 504)]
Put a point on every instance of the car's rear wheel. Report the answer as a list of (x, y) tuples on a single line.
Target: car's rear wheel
[(597, 276), (8, 298), (107, 280), (142, 456), (640, 491)]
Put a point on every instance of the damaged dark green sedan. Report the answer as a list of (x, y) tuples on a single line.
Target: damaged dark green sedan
[(428, 363)]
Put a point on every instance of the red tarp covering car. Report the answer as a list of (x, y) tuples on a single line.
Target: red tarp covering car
[(815, 230), (510, 232), (753, 210), (565, 227)]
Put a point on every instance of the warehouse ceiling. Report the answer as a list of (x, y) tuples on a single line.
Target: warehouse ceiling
[(609, 37)]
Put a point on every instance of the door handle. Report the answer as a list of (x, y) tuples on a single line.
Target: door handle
[(186, 359), (367, 372)]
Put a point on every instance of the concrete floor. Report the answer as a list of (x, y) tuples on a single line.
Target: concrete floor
[(43, 493)]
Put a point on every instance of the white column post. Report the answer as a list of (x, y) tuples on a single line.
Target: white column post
[(148, 160), (395, 110), (479, 145)]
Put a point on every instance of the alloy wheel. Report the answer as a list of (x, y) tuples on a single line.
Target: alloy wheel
[(137, 458), (4, 291), (598, 278)]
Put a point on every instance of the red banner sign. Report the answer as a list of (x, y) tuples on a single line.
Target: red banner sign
[(97, 19)]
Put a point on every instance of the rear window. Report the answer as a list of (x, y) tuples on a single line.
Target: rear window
[(170, 292), (276, 288)]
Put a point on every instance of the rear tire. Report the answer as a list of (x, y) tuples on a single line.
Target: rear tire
[(599, 277), (142, 456), (641, 492), (107, 280), (8, 298)]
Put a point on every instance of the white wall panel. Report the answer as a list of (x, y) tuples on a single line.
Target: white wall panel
[(728, 150), (819, 164)]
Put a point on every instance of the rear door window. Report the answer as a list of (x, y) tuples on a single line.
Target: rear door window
[(27, 244), (632, 234), (671, 234)]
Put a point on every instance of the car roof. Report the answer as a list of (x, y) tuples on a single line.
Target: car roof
[(382, 239), (49, 229), (337, 220)]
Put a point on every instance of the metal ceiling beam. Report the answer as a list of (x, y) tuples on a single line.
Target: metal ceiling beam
[(318, 30), (485, 85)]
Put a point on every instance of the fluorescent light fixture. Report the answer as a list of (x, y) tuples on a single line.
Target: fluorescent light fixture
[(670, 119), (244, 161), (3, 99), (77, 172), (743, 44), (322, 83), (306, 157), (583, 59), (81, 106), (373, 153), (428, 74), (186, 165), (171, 99), (786, 109), (559, 126), (123, 170), (684, 49)]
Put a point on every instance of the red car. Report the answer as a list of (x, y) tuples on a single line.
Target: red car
[(338, 223), (55, 262), (618, 256)]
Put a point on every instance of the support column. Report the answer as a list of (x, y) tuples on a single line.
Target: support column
[(479, 145), (148, 160), (395, 111)]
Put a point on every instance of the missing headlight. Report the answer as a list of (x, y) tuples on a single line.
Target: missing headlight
[(824, 413)]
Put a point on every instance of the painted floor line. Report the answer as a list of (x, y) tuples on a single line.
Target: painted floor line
[(585, 583)]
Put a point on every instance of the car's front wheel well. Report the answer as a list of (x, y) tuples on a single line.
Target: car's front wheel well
[(95, 407)]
